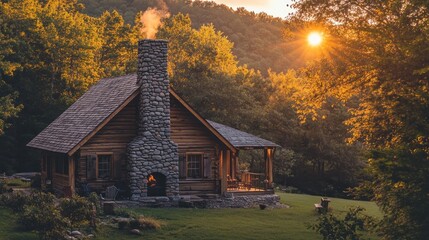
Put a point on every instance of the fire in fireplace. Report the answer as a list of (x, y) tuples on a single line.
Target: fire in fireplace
[(156, 184)]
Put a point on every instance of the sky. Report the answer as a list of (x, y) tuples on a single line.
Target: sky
[(276, 8)]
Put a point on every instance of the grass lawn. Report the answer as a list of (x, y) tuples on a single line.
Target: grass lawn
[(10, 230), (16, 183), (288, 223), (181, 223)]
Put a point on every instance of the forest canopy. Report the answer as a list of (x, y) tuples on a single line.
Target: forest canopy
[(55, 50)]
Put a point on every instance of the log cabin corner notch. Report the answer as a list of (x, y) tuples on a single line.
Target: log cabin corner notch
[(130, 129)]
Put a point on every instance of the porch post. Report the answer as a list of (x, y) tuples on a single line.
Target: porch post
[(71, 174), (223, 171), (268, 156)]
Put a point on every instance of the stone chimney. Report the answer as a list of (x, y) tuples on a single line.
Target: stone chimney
[(152, 151)]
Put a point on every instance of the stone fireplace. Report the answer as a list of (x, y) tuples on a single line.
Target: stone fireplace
[(156, 184), (152, 152)]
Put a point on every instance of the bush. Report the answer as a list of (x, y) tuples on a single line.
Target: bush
[(3, 187), (41, 215), (78, 210), (15, 201), (349, 228), (95, 200)]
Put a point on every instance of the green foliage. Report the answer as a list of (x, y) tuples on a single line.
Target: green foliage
[(14, 201), (400, 188), (17, 182), (202, 60), (56, 52), (95, 200), (119, 46), (41, 212), (257, 38), (8, 107), (41, 215), (333, 228), (376, 56), (78, 210), (194, 224), (3, 187)]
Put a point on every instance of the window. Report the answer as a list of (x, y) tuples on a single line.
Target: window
[(104, 166), (194, 165), (62, 166)]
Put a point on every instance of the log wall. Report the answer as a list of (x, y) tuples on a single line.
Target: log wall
[(111, 139), (187, 132)]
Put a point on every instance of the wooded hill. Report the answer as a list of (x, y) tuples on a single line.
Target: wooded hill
[(53, 52), (258, 38)]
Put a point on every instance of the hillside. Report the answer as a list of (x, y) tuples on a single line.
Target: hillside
[(257, 38)]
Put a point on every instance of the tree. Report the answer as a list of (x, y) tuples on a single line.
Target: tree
[(48, 61), (119, 47), (379, 56), (204, 70)]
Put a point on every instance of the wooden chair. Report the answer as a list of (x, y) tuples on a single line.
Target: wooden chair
[(323, 207), (110, 193)]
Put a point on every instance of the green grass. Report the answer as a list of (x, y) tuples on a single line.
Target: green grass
[(10, 230), (181, 223), (287, 223), (16, 183)]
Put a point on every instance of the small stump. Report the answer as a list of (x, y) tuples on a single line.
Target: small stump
[(109, 208)]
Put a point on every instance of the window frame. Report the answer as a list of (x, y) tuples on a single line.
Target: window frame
[(64, 169), (97, 166), (201, 169)]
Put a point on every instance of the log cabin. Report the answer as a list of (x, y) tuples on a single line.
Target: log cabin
[(137, 133)]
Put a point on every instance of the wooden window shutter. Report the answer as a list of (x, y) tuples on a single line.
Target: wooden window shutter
[(91, 161), (207, 166), (182, 166)]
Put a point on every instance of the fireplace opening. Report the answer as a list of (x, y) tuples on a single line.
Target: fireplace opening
[(156, 184)]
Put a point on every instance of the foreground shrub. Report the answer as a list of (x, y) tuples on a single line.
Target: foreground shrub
[(3, 187), (95, 200), (349, 228), (15, 201), (41, 215), (78, 210)]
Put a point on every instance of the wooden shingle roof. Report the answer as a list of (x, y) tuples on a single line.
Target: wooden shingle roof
[(101, 103), (240, 139), (86, 114)]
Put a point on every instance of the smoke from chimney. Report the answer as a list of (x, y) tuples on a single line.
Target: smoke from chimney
[(151, 21)]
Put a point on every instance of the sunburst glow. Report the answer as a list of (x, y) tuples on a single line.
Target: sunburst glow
[(314, 39)]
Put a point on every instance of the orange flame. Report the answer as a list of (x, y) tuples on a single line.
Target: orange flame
[(151, 181), (151, 178)]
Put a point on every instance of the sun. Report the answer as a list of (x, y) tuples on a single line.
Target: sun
[(314, 39)]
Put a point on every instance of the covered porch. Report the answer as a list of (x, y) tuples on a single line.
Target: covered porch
[(256, 180)]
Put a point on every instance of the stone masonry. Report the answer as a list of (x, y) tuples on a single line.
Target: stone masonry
[(153, 150)]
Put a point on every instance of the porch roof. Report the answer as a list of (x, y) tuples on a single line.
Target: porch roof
[(240, 139)]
